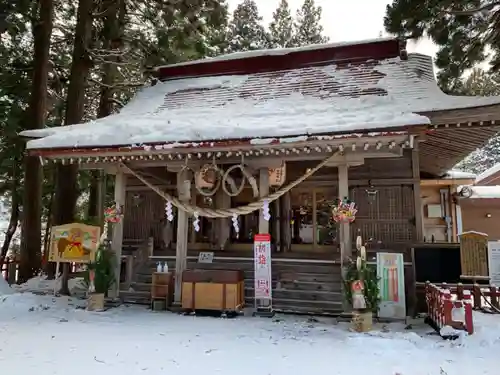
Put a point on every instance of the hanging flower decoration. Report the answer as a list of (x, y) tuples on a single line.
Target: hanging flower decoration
[(236, 225), (344, 211), (169, 211), (265, 211), (196, 222), (113, 214)]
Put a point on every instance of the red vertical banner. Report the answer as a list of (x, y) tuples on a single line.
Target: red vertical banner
[(263, 272)]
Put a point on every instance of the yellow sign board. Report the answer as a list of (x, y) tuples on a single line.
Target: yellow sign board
[(74, 242), (474, 254)]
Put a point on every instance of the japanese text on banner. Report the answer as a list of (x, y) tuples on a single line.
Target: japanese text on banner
[(262, 254)]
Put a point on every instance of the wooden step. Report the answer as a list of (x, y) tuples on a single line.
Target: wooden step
[(300, 295), (140, 298), (280, 267)]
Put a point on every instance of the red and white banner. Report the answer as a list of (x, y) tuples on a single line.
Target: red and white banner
[(263, 273)]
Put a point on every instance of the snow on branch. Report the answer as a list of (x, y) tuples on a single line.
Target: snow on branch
[(471, 12)]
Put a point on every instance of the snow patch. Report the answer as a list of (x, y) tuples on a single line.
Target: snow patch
[(50, 334), (5, 289), (483, 192), (41, 285), (457, 175), (488, 173)]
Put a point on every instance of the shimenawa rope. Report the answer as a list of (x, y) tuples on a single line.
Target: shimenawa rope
[(229, 212)]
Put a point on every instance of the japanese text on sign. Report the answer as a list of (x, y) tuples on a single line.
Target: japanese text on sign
[(262, 256)]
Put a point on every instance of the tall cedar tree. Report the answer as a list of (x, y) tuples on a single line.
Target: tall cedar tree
[(281, 27), (246, 32), (31, 228), (66, 175), (485, 84), (112, 40), (308, 29), (462, 30), (16, 81)]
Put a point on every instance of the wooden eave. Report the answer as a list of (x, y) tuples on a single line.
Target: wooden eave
[(230, 150), (446, 181), (454, 134), (491, 180)]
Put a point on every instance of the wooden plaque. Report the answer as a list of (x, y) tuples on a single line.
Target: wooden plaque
[(474, 255)]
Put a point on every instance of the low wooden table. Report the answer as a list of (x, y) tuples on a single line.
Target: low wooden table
[(220, 290), (162, 289)]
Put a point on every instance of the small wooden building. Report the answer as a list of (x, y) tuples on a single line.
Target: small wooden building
[(363, 120), (442, 216)]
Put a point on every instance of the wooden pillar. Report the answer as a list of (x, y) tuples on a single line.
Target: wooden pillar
[(286, 209), (191, 231), (117, 229), (453, 189), (417, 196), (184, 193), (223, 226), (277, 227), (263, 192), (167, 233), (345, 234)]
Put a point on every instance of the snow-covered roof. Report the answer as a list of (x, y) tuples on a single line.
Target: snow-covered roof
[(457, 175), (314, 100), (487, 175), (277, 51), (483, 192)]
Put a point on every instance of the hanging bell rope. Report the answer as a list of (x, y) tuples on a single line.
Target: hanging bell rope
[(247, 176), (200, 175), (227, 213)]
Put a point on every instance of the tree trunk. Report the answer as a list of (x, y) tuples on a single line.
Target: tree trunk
[(50, 267), (14, 214), (31, 227), (112, 38), (66, 175)]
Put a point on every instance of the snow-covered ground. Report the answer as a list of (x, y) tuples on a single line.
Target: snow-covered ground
[(55, 335)]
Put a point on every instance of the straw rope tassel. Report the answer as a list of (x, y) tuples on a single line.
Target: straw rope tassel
[(228, 213)]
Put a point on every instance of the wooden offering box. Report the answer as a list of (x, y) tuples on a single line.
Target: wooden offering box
[(221, 290), (162, 287)]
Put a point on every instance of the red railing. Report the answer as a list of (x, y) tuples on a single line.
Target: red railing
[(445, 309)]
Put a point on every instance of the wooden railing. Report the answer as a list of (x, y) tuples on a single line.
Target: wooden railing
[(137, 260), (449, 310), (9, 269)]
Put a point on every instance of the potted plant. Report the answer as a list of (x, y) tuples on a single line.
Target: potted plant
[(361, 290), (99, 278)]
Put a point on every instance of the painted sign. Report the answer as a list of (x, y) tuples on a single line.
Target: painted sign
[(74, 242), (205, 257), (263, 275), (494, 262), (390, 270)]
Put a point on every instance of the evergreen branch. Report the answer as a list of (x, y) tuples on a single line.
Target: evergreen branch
[(118, 102), (471, 12)]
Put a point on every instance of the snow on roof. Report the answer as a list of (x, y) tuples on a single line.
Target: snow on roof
[(488, 173), (276, 51), (483, 192), (474, 232), (457, 175), (354, 97)]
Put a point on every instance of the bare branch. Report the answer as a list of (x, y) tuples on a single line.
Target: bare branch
[(118, 85)]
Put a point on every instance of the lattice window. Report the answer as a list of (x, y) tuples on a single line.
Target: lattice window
[(388, 218)]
